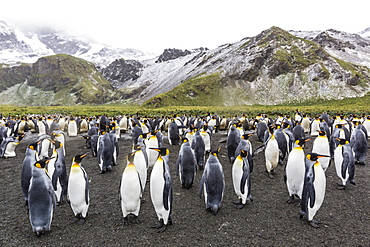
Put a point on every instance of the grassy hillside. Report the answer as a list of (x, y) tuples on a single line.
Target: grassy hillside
[(348, 106)]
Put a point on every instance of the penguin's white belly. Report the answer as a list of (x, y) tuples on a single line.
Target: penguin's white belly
[(76, 193), (237, 174), (130, 194), (338, 161), (10, 150), (271, 155), (156, 191), (320, 187), (140, 164), (321, 146), (295, 172), (72, 129)]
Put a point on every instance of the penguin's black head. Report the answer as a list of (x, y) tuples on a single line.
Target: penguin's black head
[(301, 142), (42, 163), (342, 141), (243, 153), (33, 146), (184, 139), (322, 132), (162, 151), (78, 158), (315, 156), (57, 144), (246, 136), (130, 157)]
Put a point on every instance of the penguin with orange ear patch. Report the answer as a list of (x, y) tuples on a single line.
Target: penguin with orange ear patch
[(78, 190), (313, 189)]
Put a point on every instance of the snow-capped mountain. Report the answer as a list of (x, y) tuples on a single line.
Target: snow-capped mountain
[(275, 66), (19, 46)]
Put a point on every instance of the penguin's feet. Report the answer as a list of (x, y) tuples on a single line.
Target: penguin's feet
[(81, 221), (291, 199), (361, 163), (136, 220), (161, 227), (76, 219), (238, 204), (314, 225), (341, 187), (125, 221), (270, 175), (352, 182)]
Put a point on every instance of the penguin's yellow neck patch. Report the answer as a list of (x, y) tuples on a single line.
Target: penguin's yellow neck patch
[(75, 165), (298, 148), (160, 158)]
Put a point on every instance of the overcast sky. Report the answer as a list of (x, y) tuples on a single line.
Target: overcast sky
[(153, 25)]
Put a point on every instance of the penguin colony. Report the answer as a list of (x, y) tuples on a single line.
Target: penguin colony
[(339, 141)]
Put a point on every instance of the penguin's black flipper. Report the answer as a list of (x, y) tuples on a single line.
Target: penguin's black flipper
[(244, 176), (166, 191), (345, 165), (258, 150)]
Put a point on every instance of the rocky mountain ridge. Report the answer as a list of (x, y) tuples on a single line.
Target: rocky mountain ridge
[(276, 66)]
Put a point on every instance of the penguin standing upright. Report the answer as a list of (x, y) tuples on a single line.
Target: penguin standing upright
[(212, 183), (241, 179), (78, 190), (140, 160), (105, 150), (72, 129), (186, 164), (359, 144), (295, 170), (161, 189), (313, 189), (246, 145), (8, 145), (206, 135), (321, 145), (152, 142), (232, 142), (344, 163), (130, 194), (58, 172), (199, 150), (27, 167), (41, 198), (173, 134), (271, 155)]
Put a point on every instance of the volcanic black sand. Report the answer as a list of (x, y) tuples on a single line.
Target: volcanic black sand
[(267, 221)]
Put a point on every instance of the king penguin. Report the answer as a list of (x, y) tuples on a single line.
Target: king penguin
[(212, 183), (161, 189), (359, 144), (199, 149), (27, 167), (232, 142), (313, 189), (58, 172), (186, 164), (321, 145), (271, 155), (140, 160), (130, 194), (41, 198), (78, 190), (241, 179), (344, 162), (295, 170)]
